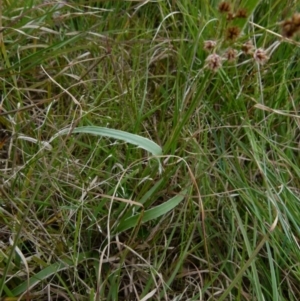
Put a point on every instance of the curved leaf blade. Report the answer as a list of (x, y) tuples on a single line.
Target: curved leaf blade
[(47, 272), (137, 140), (152, 213)]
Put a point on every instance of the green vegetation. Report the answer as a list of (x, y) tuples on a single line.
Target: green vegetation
[(149, 150)]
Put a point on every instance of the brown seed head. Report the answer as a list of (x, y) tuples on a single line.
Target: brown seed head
[(232, 33), (296, 19), (288, 28), (224, 7), (260, 56), (230, 16), (248, 47), (209, 45), (241, 13), (213, 62), (231, 55), (291, 26)]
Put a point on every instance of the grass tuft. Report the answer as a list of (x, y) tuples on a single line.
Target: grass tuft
[(91, 93)]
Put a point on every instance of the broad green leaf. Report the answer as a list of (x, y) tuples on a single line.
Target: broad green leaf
[(152, 213), (140, 141), (46, 273)]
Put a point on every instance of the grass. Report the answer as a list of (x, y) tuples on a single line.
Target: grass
[(133, 166)]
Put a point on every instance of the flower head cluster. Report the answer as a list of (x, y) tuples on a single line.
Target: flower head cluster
[(231, 55), (241, 13), (214, 62), (225, 8), (232, 33), (248, 47), (260, 56), (230, 37), (209, 45)]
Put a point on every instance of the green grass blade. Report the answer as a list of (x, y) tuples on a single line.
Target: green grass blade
[(140, 141), (152, 213), (46, 273)]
